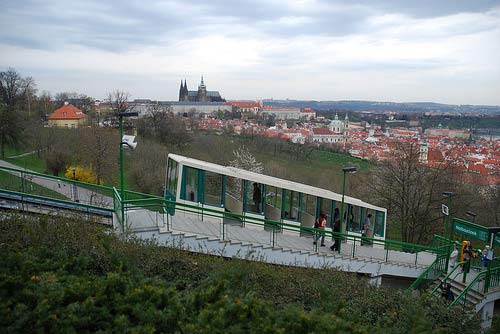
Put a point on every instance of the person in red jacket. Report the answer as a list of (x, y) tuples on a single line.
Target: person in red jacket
[(320, 224)]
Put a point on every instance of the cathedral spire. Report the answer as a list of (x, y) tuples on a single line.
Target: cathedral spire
[(181, 91)]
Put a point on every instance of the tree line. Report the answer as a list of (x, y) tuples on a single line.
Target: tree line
[(410, 191)]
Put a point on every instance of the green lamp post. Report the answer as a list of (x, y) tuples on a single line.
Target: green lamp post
[(121, 115), (350, 170)]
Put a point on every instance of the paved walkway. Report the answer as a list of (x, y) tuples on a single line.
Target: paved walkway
[(22, 155), (65, 188)]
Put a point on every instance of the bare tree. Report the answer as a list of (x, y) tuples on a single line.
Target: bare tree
[(13, 92), (98, 151), (118, 102), (411, 192)]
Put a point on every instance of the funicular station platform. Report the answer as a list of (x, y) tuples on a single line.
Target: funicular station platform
[(235, 213)]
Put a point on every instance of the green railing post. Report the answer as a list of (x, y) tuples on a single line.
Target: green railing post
[(487, 279), (122, 182), (342, 216), (466, 269), (273, 231), (354, 247)]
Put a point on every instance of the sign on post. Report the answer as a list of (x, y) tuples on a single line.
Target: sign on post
[(445, 210), (471, 231), (474, 231)]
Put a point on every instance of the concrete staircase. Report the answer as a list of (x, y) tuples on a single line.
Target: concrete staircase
[(189, 233)]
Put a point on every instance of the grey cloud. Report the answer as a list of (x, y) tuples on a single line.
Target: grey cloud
[(119, 25), (431, 8)]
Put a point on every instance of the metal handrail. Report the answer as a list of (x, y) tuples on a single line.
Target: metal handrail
[(161, 202), (104, 188), (482, 275), (56, 200), (458, 265), (435, 266), (148, 200)]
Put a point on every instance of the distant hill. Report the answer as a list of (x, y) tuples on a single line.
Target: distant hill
[(387, 106)]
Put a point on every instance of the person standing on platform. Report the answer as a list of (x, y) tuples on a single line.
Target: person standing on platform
[(453, 259), (321, 225), (257, 196), (367, 228), (336, 229), (467, 256)]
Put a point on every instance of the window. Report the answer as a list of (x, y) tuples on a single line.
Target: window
[(213, 188), (353, 217), (309, 204), (254, 197), (378, 227), (273, 197), (234, 188), (172, 177), (291, 205), (190, 184)]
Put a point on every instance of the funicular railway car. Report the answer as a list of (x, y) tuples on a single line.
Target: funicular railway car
[(252, 195)]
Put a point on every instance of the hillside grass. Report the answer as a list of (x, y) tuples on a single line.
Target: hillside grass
[(14, 183), (31, 162), (67, 276)]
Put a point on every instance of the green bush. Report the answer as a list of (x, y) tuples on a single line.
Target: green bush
[(68, 276)]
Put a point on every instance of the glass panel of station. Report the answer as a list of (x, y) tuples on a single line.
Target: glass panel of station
[(292, 205), (190, 191), (273, 205), (254, 197), (213, 188), (233, 199), (378, 230), (171, 188), (309, 207), (355, 216)]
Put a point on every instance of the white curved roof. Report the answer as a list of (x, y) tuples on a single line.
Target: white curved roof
[(270, 180)]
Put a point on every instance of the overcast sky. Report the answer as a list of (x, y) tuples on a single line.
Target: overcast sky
[(427, 50)]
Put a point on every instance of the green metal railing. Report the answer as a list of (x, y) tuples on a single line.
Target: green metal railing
[(385, 248), (439, 266), (110, 199), (432, 272), (447, 277), (482, 283), (63, 204)]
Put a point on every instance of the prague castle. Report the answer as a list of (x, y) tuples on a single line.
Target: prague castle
[(201, 95)]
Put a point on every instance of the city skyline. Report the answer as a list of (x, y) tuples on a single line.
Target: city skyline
[(399, 51)]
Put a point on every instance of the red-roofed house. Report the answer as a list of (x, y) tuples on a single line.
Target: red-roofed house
[(67, 116)]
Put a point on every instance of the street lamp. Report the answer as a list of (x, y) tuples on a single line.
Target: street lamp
[(448, 194), (350, 170), (472, 214), (122, 182), (75, 191)]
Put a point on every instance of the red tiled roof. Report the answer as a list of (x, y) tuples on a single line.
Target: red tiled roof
[(322, 131), (67, 111)]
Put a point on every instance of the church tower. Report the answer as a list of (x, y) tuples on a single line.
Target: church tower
[(424, 152), (346, 125), (186, 91), (181, 92), (202, 91)]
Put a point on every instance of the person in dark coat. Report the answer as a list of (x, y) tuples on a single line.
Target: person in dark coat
[(448, 294)]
